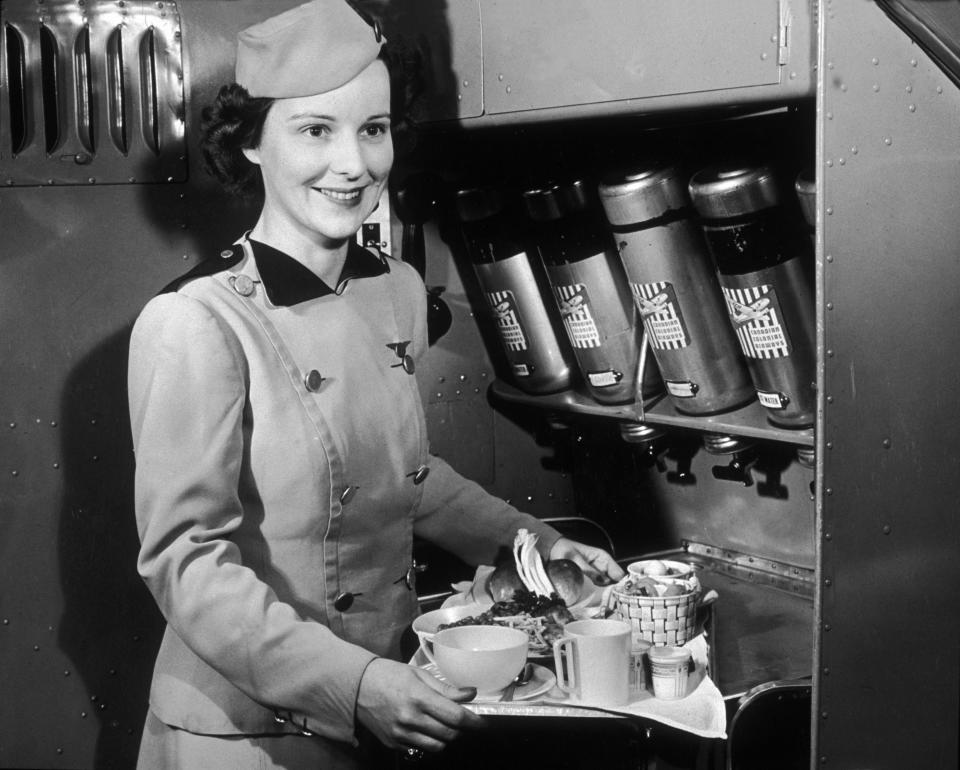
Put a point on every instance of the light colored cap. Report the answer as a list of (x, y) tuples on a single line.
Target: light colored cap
[(310, 49)]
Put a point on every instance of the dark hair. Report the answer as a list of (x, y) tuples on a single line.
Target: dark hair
[(234, 122)]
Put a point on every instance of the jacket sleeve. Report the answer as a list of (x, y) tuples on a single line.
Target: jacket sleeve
[(187, 391), (462, 517)]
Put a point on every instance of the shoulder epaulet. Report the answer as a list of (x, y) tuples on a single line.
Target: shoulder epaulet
[(226, 259)]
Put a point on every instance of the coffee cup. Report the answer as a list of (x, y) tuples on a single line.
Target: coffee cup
[(597, 657), (485, 657)]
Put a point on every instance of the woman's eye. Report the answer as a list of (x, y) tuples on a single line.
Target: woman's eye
[(375, 130), (316, 131)]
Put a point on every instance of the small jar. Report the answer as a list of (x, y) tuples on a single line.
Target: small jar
[(669, 672), (639, 677), (765, 265)]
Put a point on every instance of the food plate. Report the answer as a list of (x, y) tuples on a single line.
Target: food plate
[(541, 681)]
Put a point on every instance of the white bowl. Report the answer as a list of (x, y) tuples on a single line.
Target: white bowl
[(661, 569), (485, 657), (425, 625)]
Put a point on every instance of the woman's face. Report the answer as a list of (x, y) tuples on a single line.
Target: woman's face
[(325, 160)]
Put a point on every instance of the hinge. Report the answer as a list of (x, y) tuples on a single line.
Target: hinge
[(786, 18)]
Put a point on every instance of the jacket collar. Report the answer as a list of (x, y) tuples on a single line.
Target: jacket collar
[(288, 282)]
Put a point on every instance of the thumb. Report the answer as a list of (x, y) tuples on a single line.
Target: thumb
[(447, 690)]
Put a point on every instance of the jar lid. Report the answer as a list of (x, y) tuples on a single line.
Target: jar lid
[(475, 203), (543, 204), (642, 194), (732, 189), (806, 187), (669, 654)]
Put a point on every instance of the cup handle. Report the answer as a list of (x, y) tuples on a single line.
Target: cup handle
[(561, 647), (426, 644)]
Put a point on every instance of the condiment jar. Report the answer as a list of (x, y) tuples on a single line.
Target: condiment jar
[(527, 322), (591, 291), (765, 267), (674, 284)]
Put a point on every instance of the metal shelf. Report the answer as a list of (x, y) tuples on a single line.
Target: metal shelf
[(749, 421)]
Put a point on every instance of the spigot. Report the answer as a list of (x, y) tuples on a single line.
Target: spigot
[(682, 453), (739, 468), (649, 442)]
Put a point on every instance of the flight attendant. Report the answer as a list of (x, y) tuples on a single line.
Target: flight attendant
[(282, 458)]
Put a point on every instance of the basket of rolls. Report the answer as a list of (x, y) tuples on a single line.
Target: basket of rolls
[(659, 602)]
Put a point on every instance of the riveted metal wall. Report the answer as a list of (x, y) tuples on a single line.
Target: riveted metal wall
[(886, 693)]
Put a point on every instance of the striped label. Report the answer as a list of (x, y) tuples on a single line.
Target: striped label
[(757, 319), (661, 316), (507, 317), (574, 304)]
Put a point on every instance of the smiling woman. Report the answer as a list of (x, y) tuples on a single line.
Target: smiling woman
[(282, 457)]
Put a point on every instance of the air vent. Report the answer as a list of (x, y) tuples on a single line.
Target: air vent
[(92, 92)]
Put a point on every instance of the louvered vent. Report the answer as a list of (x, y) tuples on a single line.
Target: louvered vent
[(91, 92)]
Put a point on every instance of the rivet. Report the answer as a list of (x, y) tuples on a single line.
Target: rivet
[(909, 89), (96, 458), (66, 672), (913, 62), (829, 116), (829, 306), (476, 390), (887, 443), (876, 87), (467, 82), (83, 714), (843, 86), (823, 760), (509, 90), (458, 392), (912, 108), (939, 89), (854, 150), (500, 77), (36, 648), (842, 161), (93, 698), (875, 61), (829, 399), (6, 621), (441, 378), (793, 75), (53, 423), (483, 375), (13, 425), (439, 395), (763, 56), (830, 164), (59, 750), (829, 257), (823, 714), (829, 210), (828, 582), (829, 65), (829, 490), (826, 626), (886, 529), (56, 466), (887, 140), (14, 473)]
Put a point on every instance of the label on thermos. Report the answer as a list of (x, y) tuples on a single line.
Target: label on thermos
[(758, 321), (574, 304), (772, 400), (506, 312), (661, 316)]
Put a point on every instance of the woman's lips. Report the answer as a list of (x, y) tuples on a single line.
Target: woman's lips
[(341, 196)]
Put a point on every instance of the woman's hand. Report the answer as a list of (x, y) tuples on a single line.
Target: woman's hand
[(596, 563), (405, 707)]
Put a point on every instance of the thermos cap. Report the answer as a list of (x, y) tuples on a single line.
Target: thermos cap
[(543, 204), (476, 203), (642, 194), (731, 190), (806, 187)]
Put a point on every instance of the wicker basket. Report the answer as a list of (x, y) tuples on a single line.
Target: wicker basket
[(661, 620)]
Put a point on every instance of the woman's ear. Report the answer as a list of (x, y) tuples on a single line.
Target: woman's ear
[(252, 154)]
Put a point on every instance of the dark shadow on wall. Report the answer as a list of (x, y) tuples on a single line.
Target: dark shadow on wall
[(111, 627)]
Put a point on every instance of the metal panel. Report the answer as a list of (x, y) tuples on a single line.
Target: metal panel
[(554, 53), (91, 92), (886, 693)]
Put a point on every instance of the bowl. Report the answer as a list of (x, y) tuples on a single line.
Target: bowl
[(485, 657), (662, 569), (425, 625)]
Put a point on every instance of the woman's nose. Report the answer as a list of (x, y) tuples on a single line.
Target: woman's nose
[(348, 158)]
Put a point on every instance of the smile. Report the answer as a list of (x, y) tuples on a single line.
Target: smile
[(339, 195)]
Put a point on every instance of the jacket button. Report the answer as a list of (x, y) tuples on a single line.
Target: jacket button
[(226, 253), (243, 286), (347, 495), (343, 602), (420, 474), (313, 380)]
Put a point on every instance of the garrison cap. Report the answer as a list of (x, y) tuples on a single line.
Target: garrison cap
[(313, 48)]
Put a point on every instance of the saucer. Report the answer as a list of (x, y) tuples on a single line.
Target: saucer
[(541, 681)]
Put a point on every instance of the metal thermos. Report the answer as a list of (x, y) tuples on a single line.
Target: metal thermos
[(806, 188), (764, 261), (674, 284), (591, 292), (528, 326)]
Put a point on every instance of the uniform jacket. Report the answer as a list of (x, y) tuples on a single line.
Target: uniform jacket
[(282, 472)]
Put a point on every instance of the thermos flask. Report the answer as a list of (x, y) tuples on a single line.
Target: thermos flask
[(765, 268), (674, 285), (527, 324), (591, 291)]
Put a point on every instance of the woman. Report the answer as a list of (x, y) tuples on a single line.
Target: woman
[(282, 463)]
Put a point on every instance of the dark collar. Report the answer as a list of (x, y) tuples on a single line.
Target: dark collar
[(288, 282)]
